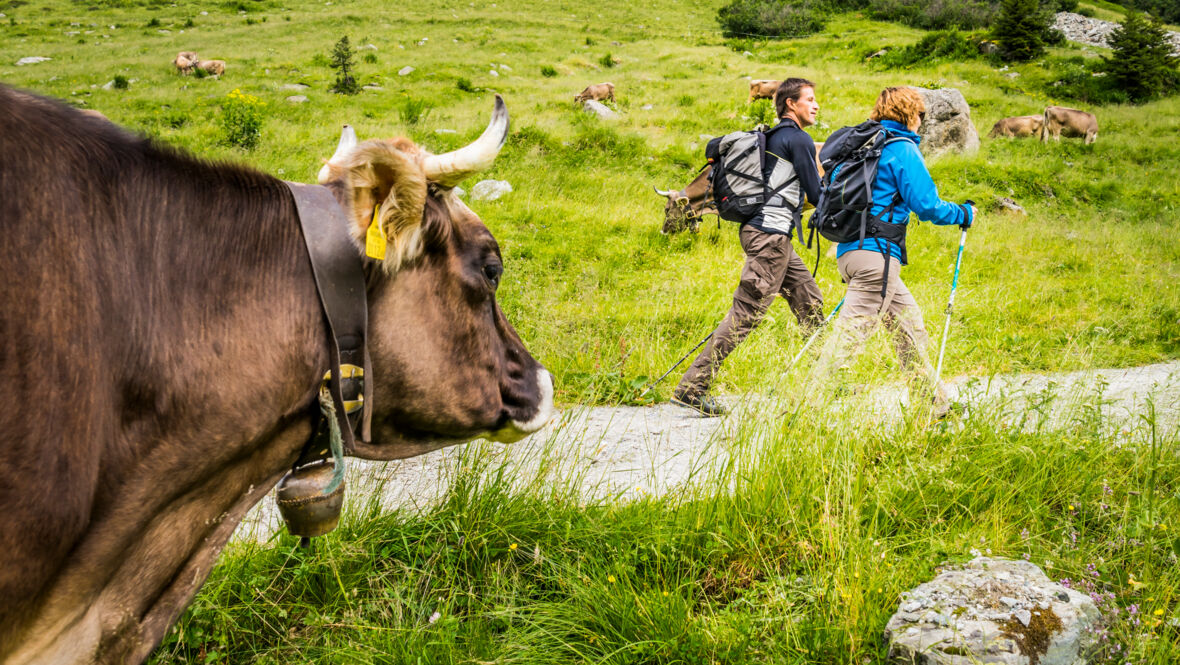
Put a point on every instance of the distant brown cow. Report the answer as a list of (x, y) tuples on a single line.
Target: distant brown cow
[(685, 207), (763, 89), (1019, 126), (1060, 120), (212, 67), (598, 92), (186, 62)]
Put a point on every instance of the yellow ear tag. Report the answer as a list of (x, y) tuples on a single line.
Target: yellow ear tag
[(375, 241)]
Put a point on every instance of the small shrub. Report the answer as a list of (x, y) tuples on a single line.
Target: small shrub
[(464, 84), (548, 72), (684, 101), (370, 58), (341, 61), (154, 23), (1165, 10), (120, 82), (1142, 63), (762, 112), (188, 23), (770, 18), (411, 110), (1086, 11), (589, 42), (607, 61), (241, 120), (949, 45), (935, 14)]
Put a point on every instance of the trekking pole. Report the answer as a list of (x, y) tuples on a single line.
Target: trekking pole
[(653, 383), (950, 305), (818, 330)]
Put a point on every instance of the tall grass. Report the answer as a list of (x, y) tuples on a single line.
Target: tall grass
[(794, 549)]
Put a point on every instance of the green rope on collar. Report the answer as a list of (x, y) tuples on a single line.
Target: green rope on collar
[(335, 442)]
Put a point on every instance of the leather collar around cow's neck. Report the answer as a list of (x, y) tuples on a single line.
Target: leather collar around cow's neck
[(340, 281)]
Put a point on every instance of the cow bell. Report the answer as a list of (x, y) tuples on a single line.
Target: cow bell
[(306, 510)]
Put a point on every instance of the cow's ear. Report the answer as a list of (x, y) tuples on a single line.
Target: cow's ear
[(387, 187)]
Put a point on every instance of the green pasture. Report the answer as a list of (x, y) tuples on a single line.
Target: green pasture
[(797, 552)]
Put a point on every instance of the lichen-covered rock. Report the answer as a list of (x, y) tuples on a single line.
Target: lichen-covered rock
[(948, 126), (490, 190), (992, 611)]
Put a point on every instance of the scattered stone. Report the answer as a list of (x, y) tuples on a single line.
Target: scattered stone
[(747, 54), (405, 70), (490, 190), (647, 107), (1012, 206), (1012, 75), (988, 47), (967, 615), (368, 47), (293, 86), (948, 126), (297, 99), (371, 86), (31, 60), (599, 109), (445, 131), (494, 73), (1095, 32), (505, 67), (878, 54)]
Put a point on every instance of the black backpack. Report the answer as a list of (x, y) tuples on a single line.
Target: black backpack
[(849, 158), (739, 186)]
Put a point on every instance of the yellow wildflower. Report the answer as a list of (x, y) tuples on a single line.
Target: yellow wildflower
[(610, 578), (512, 547)]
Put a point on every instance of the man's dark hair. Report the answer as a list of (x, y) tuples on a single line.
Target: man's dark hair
[(789, 89)]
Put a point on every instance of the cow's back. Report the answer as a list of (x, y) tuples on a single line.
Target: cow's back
[(129, 278)]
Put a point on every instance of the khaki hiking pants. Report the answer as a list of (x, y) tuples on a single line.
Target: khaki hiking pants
[(864, 308), (772, 268)]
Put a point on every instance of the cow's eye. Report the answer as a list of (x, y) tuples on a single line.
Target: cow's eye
[(493, 271)]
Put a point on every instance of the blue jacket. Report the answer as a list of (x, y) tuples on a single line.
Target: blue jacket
[(902, 171)]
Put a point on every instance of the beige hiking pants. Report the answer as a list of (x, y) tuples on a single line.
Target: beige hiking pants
[(864, 308)]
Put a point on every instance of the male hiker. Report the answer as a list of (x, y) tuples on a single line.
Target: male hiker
[(772, 266)]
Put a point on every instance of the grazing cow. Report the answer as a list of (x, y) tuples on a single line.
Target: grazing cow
[(162, 345), (212, 67), (763, 89), (186, 62), (684, 207), (1020, 126), (1059, 120), (598, 92)]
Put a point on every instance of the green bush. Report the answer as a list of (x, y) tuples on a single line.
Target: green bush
[(607, 61), (548, 72), (935, 14), (1141, 64), (241, 120), (1166, 10), (1078, 81), (464, 84), (370, 58), (770, 18), (949, 45), (120, 82), (1020, 29), (412, 110)]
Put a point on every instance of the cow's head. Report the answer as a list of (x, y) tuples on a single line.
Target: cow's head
[(678, 212), (447, 365)]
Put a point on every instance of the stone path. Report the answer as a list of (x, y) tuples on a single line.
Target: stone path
[(626, 452)]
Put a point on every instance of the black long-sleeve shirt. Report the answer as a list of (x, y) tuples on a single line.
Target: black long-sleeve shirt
[(791, 151)]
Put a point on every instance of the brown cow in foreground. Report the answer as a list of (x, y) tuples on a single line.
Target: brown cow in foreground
[(763, 89), (683, 208), (1019, 127), (598, 92), (163, 346), (1059, 120)]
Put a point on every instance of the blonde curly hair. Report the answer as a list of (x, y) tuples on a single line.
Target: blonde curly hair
[(902, 104)]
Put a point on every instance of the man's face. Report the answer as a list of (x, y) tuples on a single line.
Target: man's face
[(805, 108)]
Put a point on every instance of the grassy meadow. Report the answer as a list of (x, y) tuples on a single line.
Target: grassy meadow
[(796, 552)]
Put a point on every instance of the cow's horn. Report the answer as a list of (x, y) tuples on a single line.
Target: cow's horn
[(449, 168), (663, 192), (347, 143)]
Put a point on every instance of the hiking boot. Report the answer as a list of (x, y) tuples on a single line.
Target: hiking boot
[(702, 404)]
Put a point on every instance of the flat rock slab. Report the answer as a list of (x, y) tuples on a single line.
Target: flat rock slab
[(992, 611)]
